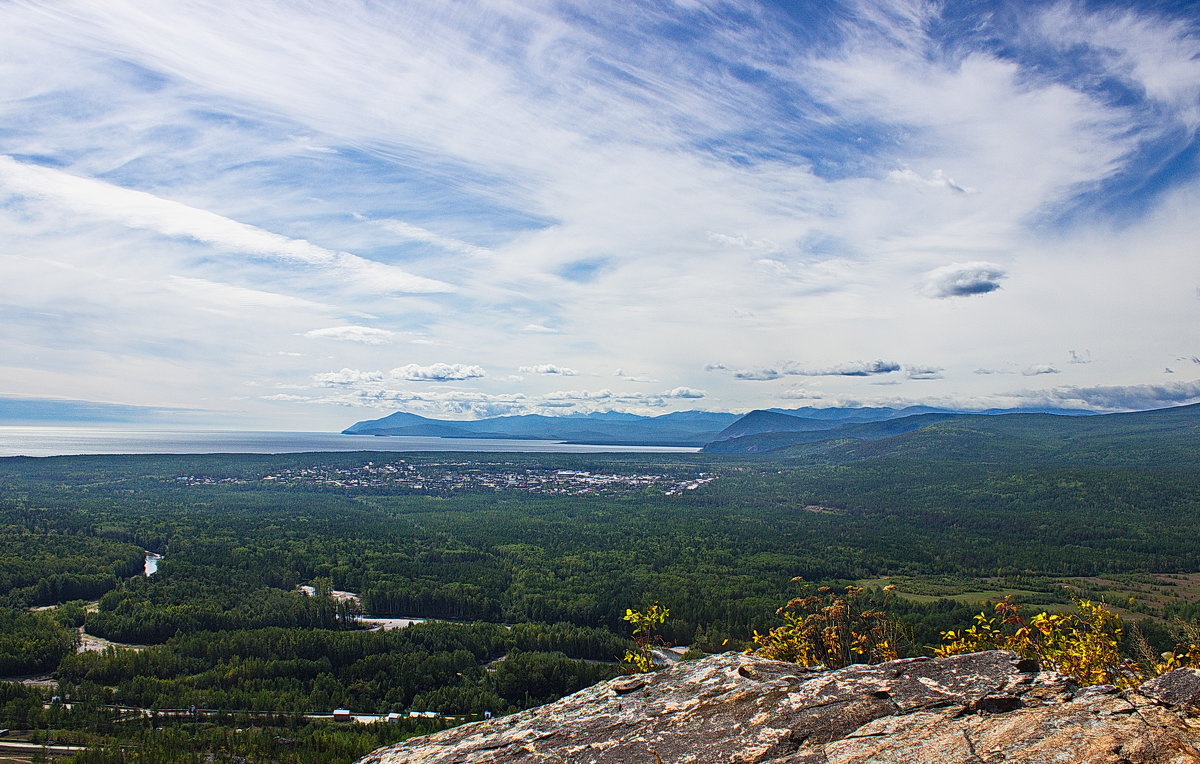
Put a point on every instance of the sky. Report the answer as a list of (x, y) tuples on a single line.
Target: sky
[(297, 215)]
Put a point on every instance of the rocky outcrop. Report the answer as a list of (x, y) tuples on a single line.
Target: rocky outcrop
[(976, 709)]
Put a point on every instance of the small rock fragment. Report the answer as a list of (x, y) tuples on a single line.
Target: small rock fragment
[(1181, 687)]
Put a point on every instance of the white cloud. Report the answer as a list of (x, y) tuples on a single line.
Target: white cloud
[(365, 334), (1120, 397), (581, 395), (438, 372), (348, 377), (801, 394), (924, 372), (654, 400), (549, 369), (937, 180), (1045, 368), (758, 375), (963, 280), (851, 369), (451, 404), (791, 368), (776, 267), (741, 241), (633, 377)]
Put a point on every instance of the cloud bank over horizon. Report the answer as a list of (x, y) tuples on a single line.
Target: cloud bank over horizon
[(265, 213)]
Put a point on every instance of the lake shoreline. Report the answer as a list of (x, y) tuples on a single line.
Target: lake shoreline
[(22, 441)]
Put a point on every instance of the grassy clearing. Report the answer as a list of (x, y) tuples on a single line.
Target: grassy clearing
[(968, 591), (1131, 595)]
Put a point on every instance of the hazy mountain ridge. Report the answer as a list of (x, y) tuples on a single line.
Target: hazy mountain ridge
[(754, 432), (682, 428)]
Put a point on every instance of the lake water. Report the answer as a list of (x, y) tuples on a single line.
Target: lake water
[(69, 441)]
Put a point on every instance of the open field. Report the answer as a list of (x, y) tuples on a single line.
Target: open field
[(1131, 595)]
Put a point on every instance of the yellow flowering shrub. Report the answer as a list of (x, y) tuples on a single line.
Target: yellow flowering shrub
[(824, 628), (1084, 645), (645, 625), (1185, 655)]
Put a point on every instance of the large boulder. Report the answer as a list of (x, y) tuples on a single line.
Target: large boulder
[(985, 707)]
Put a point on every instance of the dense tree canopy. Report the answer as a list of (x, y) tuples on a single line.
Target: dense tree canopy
[(229, 629)]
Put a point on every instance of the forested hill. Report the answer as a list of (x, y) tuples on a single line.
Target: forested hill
[(1158, 437), (781, 437)]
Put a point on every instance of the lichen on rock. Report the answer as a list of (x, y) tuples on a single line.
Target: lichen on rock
[(978, 708)]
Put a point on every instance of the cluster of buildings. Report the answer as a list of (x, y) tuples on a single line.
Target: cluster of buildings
[(450, 477)]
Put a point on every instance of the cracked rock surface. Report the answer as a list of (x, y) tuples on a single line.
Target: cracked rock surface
[(977, 709)]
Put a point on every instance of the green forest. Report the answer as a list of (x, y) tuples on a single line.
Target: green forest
[(523, 588)]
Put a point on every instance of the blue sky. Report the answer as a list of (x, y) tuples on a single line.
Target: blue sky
[(298, 215)]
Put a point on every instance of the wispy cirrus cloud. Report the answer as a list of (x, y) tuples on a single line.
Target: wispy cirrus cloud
[(416, 233), (233, 298), (510, 181), (138, 209)]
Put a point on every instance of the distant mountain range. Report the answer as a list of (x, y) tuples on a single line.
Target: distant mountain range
[(683, 428), (755, 432)]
